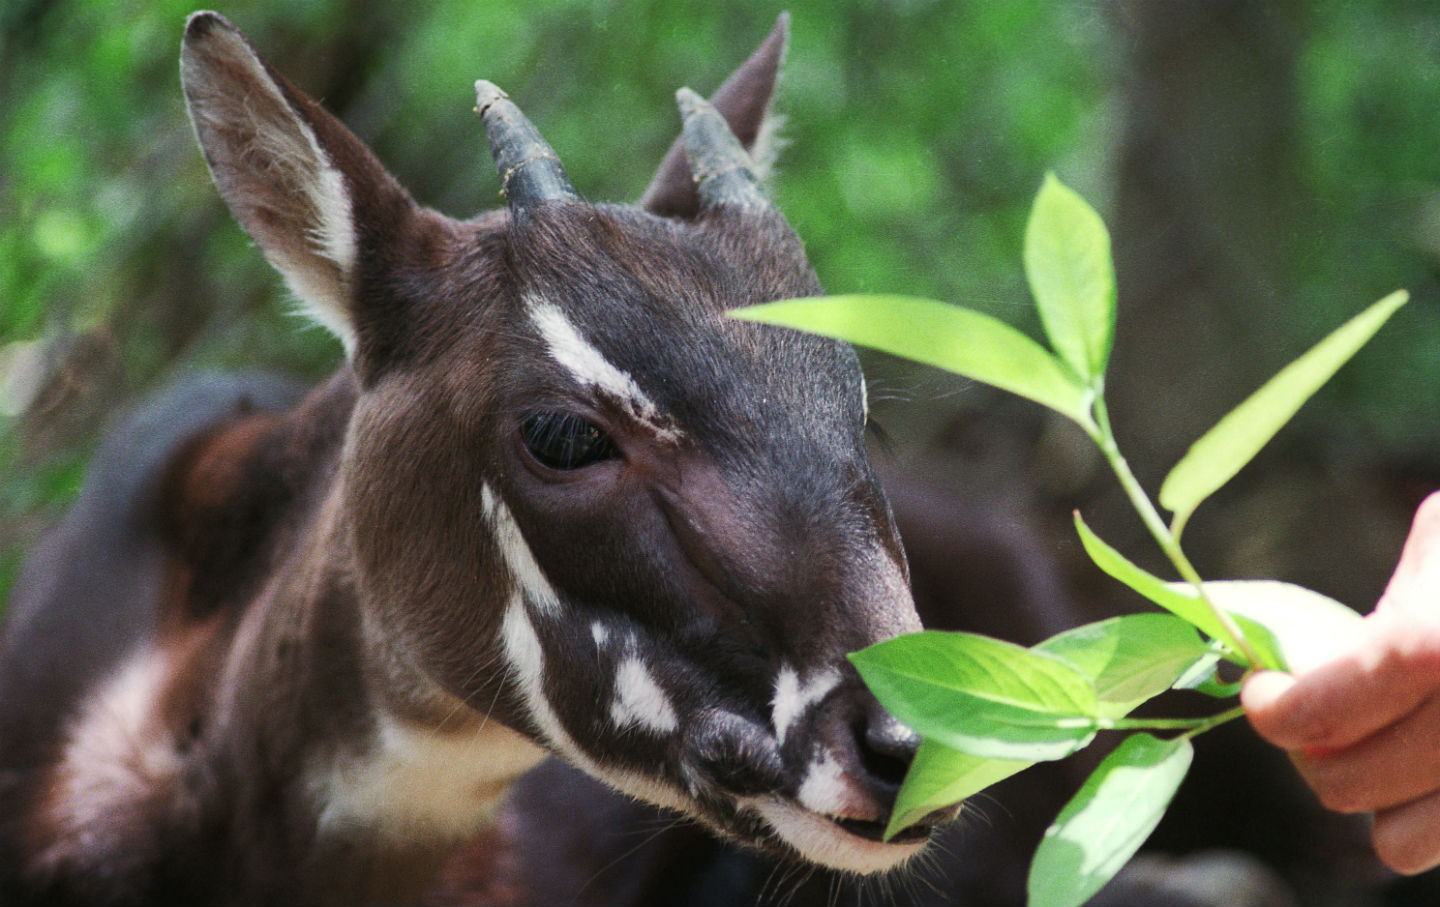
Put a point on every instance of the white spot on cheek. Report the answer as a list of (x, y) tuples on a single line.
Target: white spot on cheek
[(590, 368), (793, 698), (600, 632), (517, 554), (640, 700)]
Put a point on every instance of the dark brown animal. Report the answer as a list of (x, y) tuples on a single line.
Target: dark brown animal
[(554, 501)]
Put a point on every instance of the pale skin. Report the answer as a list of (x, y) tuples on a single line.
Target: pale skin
[(1363, 727)]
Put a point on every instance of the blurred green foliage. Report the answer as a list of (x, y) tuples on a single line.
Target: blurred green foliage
[(918, 131)]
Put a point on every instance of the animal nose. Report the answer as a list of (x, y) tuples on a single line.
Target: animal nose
[(886, 747), (868, 752)]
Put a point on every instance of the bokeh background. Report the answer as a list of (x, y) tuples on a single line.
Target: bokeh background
[(1267, 169)]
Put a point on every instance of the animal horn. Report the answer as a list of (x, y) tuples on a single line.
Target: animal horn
[(530, 171), (724, 174)]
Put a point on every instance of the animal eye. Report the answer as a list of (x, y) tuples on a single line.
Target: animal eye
[(562, 441)]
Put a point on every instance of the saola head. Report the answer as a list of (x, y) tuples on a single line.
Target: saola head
[(577, 498)]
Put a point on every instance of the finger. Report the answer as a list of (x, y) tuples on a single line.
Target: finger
[(1406, 837), (1393, 668), (1265, 696), (1389, 768), (1416, 582)]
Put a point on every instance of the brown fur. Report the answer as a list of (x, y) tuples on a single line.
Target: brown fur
[(348, 624)]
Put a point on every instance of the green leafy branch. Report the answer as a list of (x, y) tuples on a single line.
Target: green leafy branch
[(988, 708)]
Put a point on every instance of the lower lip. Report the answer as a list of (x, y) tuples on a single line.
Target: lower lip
[(875, 831)]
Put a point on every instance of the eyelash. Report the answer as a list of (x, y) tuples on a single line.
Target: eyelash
[(564, 442)]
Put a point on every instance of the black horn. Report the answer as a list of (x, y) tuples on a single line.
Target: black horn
[(724, 174), (530, 171)]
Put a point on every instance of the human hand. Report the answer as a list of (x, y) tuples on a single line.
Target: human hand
[(1363, 728)]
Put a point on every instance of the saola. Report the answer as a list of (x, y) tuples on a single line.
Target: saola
[(554, 500)]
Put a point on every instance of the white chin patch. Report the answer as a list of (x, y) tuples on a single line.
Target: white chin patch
[(821, 841)]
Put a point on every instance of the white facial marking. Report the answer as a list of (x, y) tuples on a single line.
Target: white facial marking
[(818, 839), (518, 556), (421, 780), (600, 633), (527, 660), (590, 368), (824, 789), (793, 698), (640, 700)]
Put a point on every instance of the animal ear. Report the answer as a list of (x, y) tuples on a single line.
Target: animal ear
[(297, 180), (744, 101)]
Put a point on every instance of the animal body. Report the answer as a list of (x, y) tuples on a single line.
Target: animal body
[(554, 501)]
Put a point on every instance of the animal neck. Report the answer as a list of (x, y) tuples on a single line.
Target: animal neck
[(285, 693)]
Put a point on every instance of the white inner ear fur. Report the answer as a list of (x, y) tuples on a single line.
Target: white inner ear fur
[(275, 176), (769, 145)]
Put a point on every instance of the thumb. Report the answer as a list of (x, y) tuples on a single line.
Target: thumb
[(1415, 586)]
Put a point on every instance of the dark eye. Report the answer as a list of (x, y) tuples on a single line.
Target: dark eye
[(562, 441)]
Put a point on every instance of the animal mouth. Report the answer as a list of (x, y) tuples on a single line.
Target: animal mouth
[(849, 845), (875, 831)]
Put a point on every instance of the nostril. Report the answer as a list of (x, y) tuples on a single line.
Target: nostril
[(887, 748)]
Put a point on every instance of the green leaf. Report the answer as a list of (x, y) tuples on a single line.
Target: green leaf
[(940, 777), (1215, 458), (958, 340), (1067, 261), (1178, 598), (1130, 659), (1213, 686), (1202, 678), (1304, 628), (1173, 597), (1100, 829), (980, 695)]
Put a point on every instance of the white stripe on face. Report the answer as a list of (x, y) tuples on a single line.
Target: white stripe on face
[(589, 367), (526, 658), (517, 554)]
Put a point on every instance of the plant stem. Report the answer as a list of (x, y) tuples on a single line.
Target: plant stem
[(1104, 438), (1215, 721), (1191, 726)]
